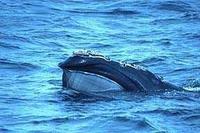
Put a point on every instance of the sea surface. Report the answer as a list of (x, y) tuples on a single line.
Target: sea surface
[(160, 35)]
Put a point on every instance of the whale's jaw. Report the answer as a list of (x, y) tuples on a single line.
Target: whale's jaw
[(88, 82)]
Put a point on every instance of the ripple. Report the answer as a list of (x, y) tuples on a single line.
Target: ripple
[(54, 82), (117, 11), (97, 46), (192, 117), (8, 64), (165, 21), (8, 46), (153, 60), (41, 121), (168, 112), (195, 36), (56, 120), (177, 6), (120, 11), (139, 123), (14, 38), (192, 85), (5, 130), (53, 120), (166, 42), (186, 69), (192, 15), (181, 97)]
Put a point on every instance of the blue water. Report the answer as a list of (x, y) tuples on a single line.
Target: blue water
[(162, 36)]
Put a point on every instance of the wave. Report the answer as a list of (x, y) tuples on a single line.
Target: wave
[(53, 120), (192, 89), (154, 60), (195, 36), (177, 6), (117, 11), (8, 46), (5, 130), (186, 69), (192, 15), (192, 117), (138, 123), (13, 38), (193, 85), (8, 64), (165, 21), (99, 45), (168, 112)]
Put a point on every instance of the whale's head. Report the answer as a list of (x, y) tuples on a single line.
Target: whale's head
[(102, 66), (129, 77), (81, 61)]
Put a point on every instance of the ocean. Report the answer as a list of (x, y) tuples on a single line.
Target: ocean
[(160, 35)]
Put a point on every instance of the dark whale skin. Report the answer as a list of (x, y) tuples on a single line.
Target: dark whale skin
[(130, 77)]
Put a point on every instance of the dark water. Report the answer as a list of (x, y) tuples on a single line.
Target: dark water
[(163, 36)]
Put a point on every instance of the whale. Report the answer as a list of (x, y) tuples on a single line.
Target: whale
[(88, 72)]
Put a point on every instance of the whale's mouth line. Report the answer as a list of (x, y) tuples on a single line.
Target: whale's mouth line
[(86, 73)]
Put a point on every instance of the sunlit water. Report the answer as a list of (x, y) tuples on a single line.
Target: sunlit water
[(163, 36)]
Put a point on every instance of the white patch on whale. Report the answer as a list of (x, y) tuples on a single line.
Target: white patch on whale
[(89, 82)]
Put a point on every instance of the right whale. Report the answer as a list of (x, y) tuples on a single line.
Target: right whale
[(87, 72)]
